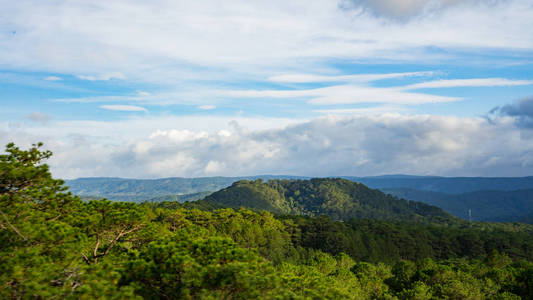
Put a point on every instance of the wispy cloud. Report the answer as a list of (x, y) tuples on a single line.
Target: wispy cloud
[(162, 41), (207, 107), (474, 82), (310, 78), (358, 92), (53, 78), (123, 107), (345, 94), (103, 77), (161, 98), (377, 110), (341, 89)]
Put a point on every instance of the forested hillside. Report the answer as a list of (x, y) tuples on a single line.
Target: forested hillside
[(340, 199), (55, 246)]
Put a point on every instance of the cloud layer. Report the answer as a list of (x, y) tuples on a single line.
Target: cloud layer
[(405, 9), (162, 41), (327, 146)]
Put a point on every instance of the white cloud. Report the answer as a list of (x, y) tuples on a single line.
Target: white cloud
[(179, 135), (103, 77), (123, 107), (53, 78), (143, 94), (207, 107), (214, 167), (188, 97), (377, 110)]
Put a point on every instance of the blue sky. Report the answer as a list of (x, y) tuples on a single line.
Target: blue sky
[(354, 87)]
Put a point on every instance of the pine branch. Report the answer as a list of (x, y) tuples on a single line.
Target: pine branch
[(13, 227)]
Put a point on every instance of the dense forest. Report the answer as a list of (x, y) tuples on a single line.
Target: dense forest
[(53, 245)]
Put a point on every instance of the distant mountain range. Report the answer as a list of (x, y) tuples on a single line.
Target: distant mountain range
[(448, 185), (489, 199), (138, 190), (496, 206)]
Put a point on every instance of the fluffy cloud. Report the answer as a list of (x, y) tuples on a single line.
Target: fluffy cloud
[(327, 146)]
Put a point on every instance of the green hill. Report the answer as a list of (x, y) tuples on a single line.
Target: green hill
[(340, 199)]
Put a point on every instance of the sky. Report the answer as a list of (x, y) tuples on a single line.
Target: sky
[(151, 89)]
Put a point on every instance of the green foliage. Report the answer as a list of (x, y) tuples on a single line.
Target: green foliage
[(200, 268)]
